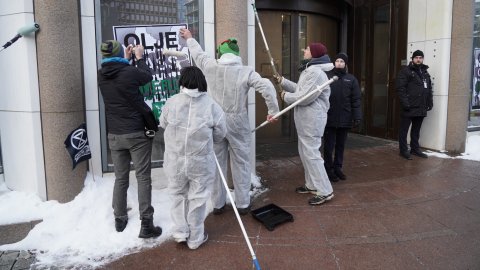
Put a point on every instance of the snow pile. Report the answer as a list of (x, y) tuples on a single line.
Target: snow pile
[(472, 149), (81, 233)]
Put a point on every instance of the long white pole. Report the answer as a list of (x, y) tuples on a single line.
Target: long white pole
[(264, 39), (254, 258), (319, 88)]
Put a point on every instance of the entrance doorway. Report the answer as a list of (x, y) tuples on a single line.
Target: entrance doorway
[(287, 33), (380, 30)]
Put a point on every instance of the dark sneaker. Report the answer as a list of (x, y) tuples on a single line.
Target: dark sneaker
[(120, 224), (319, 199), (332, 176), (304, 189), (405, 155), (419, 153), (243, 211), (219, 211), (197, 245), (148, 230), (340, 174)]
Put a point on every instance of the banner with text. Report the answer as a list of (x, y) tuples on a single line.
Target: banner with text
[(165, 54)]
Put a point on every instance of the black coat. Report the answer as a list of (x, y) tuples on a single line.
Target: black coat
[(125, 109), (414, 89), (345, 100)]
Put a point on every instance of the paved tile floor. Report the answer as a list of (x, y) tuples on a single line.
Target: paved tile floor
[(389, 214)]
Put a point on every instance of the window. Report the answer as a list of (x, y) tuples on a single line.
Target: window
[(474, 116), (1, 161), (129, 12)]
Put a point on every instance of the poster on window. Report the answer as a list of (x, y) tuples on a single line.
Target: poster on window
[(166, 53), (476, 80)]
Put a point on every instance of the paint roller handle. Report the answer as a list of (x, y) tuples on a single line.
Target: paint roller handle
[(167, 52)]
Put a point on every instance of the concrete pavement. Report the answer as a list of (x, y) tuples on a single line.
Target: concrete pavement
[(389, 214)]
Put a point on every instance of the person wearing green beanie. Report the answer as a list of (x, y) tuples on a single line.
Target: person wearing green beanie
[(229, 82), (228, 46)]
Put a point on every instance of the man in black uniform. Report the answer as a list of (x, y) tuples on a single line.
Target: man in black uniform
[(414, 89)]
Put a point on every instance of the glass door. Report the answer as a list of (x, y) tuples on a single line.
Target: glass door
[(287, 33), (378, 95)]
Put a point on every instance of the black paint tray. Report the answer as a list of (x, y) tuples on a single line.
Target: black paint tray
[(271, 216)]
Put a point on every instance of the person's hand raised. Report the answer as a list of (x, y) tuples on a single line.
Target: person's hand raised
[(185, 33)]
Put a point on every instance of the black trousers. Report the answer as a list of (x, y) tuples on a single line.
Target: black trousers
[(405, 122), (334, 139)]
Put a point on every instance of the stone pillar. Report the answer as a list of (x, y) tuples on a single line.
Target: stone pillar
[(62, 105), (460, 78), (231, 21)]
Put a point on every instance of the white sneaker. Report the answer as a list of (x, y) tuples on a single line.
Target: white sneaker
[(197, 245)]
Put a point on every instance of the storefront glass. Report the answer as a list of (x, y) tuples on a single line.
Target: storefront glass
[(474, 117), (143, 13), (1, 161)]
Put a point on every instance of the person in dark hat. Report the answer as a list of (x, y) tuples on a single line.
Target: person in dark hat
[(414, 89), (310, 119), (128, 118), (344, 113)]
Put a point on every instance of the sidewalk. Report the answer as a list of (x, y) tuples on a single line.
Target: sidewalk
[(389, 214)]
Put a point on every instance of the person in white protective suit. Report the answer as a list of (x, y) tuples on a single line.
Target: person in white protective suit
[(193, 122), (310, 119), (229, 82)]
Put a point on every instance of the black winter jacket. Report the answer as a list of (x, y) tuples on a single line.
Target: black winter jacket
[(414, 89), (125, 108), (345, 100)]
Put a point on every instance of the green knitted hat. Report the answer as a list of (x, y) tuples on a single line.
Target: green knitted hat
[(229, 46), (111, 48)]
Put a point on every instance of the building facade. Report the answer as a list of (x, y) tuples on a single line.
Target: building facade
[(49, 79)]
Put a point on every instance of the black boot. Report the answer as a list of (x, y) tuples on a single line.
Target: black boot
[(120, 224), (148, 229), (332, 176), (340, 174)]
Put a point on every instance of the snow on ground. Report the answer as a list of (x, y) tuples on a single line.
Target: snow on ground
[(81, 233), (472, 150)]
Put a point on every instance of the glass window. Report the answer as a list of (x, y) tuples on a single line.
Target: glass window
[(129, 12), (1, 161), (474, 116), (302, 35)]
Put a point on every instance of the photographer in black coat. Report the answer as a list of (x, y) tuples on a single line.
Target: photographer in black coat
[(344, 113), (131, 127), (414, 89)]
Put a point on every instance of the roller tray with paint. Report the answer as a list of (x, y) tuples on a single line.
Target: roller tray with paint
[(271, 216)]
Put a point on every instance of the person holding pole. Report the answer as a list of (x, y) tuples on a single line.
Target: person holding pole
[(310, 117), (229, 82), (193, 122)]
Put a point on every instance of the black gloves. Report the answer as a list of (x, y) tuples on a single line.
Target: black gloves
[(429, 108)]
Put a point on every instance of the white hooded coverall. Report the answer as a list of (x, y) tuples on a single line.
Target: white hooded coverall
[(310, 119), (228, 84), (192, 122)]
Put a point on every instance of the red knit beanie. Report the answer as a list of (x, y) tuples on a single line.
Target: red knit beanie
[(317, 49)]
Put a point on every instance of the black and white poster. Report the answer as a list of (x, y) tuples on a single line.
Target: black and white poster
[(160, 42)]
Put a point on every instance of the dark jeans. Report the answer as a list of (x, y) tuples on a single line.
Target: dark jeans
[(405, 122), (134, 147), (335, 139)]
